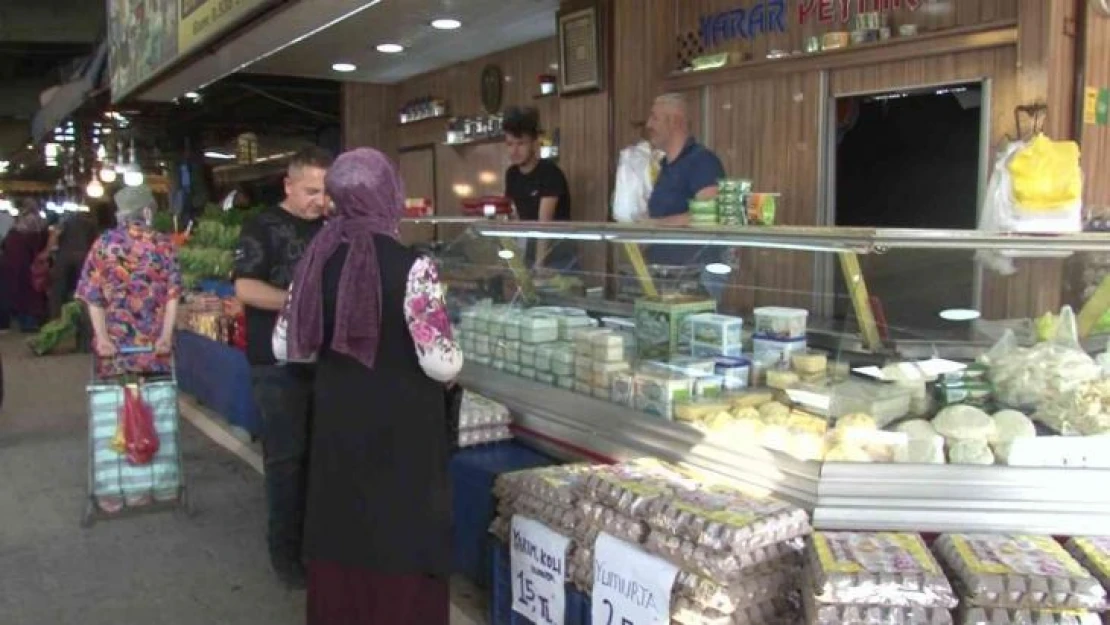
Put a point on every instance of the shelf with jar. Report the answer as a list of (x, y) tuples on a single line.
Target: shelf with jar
[(422, 110), (474, 129)]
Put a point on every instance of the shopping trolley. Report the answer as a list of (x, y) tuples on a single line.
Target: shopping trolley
[(115, 487)]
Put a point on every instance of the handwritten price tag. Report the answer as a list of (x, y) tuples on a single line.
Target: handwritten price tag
[(631, 587), (539, 564)]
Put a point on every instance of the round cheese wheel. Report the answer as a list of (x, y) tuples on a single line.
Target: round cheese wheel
[(916, 429), (1010, 425), (970, 452), (959, 423)]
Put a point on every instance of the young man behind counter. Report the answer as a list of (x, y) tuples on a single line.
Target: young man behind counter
[(270, 245), (537, 188)]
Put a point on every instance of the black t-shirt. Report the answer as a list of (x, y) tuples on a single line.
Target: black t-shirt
[(270, 245), (526, 190)]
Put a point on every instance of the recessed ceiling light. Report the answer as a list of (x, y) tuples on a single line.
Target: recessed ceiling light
[(390, 48), (192, 95), (446, 24), (343, 67)]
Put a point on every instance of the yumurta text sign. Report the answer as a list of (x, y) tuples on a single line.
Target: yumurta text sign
[(771, 16)]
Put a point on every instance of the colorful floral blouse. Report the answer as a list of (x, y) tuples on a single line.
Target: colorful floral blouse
[(131, 272), (430, 327)]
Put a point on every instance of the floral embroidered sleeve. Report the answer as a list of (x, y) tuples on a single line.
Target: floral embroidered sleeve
[(430, 327)]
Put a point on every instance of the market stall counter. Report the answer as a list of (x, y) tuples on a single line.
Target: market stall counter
[(218, 377), (893, 408)]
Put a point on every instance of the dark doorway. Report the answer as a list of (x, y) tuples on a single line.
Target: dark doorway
[(911, 159)]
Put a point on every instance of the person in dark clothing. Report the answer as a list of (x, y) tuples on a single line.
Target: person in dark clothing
[(27, 239), (537, 188), (371, 312), (270, 245)]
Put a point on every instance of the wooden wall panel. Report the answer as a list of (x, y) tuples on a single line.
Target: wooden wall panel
[(1096, 139), (768, 130), (930, 15), (642, 55), (366, 109), (417, 169)]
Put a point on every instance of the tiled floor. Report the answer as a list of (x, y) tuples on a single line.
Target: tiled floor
[(164, 568)]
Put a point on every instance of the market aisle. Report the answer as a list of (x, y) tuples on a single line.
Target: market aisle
[(154, 568)]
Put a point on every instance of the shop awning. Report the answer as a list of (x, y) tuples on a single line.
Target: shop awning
[(69, 97)]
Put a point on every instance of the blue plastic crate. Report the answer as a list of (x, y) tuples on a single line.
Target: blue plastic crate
[(220, 288), (473, 472), (501, 594)]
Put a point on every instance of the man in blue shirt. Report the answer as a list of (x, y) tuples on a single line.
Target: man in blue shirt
[(689, 171)]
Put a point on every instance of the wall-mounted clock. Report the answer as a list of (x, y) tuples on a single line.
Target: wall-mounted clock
[(493, 86)]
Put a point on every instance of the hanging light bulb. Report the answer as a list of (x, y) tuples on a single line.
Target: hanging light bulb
[(108, 173), (133, 178), (95, 189)]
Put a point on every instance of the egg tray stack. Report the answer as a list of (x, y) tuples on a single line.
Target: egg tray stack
[(1004, 579), (739, 556), (1094, 554), (482, 421), (547, 495), (860, 578)]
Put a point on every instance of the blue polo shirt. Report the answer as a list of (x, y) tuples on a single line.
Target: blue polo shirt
[(680, 181)]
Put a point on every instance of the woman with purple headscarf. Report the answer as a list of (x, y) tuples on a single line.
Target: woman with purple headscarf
[(371, 312)]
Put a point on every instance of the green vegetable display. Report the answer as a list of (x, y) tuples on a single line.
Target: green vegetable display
[(203, 262), (54, 332), (214, 234)]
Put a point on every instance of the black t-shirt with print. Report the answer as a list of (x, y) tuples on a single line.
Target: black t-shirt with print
[(270, 245), (527, 189)]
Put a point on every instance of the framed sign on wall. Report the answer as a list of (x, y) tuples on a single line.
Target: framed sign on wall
[(579, 51)]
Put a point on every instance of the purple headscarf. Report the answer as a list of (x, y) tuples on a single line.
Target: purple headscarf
[(369, 199)]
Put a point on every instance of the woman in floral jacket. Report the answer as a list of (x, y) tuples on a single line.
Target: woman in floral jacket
[(371, 312)]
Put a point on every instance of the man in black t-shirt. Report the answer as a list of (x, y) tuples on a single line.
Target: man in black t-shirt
[(537, 188), (270, 245)]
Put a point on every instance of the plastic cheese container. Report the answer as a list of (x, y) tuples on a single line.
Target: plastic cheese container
[(780, 323), (539, 329), (715, 329), (527, 355), (569, 323), (735, 373), (770, 352)]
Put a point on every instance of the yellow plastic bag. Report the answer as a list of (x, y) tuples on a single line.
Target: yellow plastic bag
[(1046, 175)]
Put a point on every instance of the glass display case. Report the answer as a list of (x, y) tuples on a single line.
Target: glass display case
[(884, 379)]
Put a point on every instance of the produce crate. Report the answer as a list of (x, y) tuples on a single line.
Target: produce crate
[(473, 472), (501, 593)]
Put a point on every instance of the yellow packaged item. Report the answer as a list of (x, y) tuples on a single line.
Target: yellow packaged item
[(1046, 175)]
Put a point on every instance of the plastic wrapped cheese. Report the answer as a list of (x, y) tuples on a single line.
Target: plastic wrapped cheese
[(1026, 377), (851, 424), (916, 429), (962, 422), (847, 453), (921, 451), (1002, 616), (880, 568), (1018, 572), (1083, 410), (774, 413), (970, 452), (1010, 425)]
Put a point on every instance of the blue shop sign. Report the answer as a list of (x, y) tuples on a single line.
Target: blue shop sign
[(766, 16)]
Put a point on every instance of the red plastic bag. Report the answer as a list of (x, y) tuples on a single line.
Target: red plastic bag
[(139, 434)]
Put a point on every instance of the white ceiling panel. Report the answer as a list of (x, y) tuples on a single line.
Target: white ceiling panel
[(488, 26)]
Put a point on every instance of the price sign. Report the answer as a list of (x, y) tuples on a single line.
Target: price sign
[(631, 586), (539, 565)]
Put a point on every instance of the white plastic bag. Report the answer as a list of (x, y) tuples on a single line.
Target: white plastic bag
[(279, 341), (1001, 213), (634, 183)]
